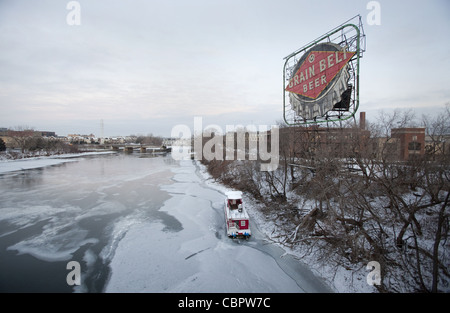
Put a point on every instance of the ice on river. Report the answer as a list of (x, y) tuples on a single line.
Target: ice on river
[(136, 223), (197, 257), (38, 162)]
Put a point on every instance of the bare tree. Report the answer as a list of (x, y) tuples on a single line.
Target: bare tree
[(20, 135), (383, 209)]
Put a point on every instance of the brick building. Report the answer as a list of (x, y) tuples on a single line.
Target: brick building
[(403, 144), (411, 142)]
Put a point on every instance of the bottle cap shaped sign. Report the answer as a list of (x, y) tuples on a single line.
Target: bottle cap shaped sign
[(320, 80)]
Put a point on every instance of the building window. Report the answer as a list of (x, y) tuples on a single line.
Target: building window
[(242, 223), (414, 146)]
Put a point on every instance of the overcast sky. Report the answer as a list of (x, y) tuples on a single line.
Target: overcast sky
[(145, 66)]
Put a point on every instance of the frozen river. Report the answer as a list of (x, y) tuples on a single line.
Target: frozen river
[(134, 223)]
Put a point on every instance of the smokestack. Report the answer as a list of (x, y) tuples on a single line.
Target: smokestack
[(362, 120)]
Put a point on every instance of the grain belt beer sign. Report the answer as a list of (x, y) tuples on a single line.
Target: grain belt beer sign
[(321, 80), (318, 70)]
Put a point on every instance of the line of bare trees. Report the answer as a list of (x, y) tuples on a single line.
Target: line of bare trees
[(351, 202), (26, 140)]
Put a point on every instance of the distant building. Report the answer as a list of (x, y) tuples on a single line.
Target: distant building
[(308, 141), (411, 142), (47, 134)]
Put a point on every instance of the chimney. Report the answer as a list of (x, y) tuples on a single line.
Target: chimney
[(362, 120)]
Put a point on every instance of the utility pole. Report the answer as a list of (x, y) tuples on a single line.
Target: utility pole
[(102, 136)]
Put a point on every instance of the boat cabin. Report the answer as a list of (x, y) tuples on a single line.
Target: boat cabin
[(236, 217)]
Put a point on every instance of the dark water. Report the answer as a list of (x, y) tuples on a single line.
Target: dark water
[(76, 211)]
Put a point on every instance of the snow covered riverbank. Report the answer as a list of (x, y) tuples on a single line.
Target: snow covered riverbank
[(42, 161)]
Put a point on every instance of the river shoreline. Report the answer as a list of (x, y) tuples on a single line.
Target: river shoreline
[(12, 165)]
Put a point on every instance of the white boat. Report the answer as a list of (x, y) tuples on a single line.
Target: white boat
[(236, 216)]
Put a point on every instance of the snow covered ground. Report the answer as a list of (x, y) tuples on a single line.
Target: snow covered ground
[(199, 257)]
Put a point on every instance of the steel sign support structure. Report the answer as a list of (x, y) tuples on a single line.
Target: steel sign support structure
[(349, 37)]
